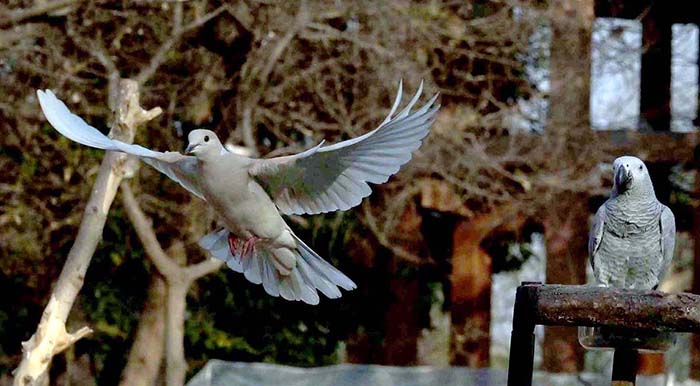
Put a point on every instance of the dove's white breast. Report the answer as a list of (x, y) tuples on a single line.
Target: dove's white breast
[(244, 206)]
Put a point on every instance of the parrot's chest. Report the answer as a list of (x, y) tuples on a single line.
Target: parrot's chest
[(633, 221)]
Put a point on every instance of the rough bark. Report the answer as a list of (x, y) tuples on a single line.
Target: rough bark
[(586, 305), (146, 352), (51, 336)]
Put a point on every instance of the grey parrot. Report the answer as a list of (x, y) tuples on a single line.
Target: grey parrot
[(632, 237), (250, 195)]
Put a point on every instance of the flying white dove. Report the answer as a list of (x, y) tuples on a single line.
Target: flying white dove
[(248, 194), (633, 235)]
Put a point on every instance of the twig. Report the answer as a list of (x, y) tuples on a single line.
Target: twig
[(51, 336), (253, 96), (14, 17), (159, 57)]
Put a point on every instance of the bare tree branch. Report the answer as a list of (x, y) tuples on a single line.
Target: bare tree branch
[(51, 336), (159, 57), (144, 229), (16, 16), (260, 79), (178, 280)]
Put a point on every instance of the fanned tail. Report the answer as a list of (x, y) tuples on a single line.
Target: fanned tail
[(311, 272)]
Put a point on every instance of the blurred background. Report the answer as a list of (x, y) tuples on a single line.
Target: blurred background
[(538, 99)]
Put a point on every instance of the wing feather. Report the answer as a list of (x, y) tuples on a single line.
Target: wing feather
[(180, 168), (335, 177)]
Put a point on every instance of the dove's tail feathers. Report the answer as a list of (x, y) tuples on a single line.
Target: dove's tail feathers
[(258, 265)]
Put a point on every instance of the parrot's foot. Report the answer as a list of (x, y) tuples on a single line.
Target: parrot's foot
[(240, 247)]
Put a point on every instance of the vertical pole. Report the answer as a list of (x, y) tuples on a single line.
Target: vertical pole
[(624, 367), (522, 339)]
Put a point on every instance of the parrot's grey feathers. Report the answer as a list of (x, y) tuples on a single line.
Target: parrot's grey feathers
[(180, 168), (596, 234), (632, 237), (335, 177), (668, 239)]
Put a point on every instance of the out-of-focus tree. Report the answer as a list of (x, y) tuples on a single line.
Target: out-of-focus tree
[(274, 77)]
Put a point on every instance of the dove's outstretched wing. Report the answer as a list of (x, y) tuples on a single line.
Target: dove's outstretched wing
[(180, 168), (329, 178)]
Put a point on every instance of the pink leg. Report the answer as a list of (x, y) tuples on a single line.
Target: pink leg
[(240, 247), (249, 245)]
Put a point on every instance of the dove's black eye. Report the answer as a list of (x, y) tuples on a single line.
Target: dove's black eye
[(206, 138), (641, 167)]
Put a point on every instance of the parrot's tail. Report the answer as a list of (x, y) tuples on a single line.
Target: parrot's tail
[(257, 263)]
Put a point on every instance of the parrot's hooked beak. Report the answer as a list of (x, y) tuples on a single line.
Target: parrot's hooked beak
[(191, 147), (623, 177)]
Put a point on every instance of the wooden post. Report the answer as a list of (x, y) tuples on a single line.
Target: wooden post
[(695, 339), (522, 338), (624, 367), (655, 102)]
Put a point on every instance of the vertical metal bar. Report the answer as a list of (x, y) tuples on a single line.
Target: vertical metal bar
[(522, 338), (624, 367)]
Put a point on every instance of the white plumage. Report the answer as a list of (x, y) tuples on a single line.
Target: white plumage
[(249, 194)]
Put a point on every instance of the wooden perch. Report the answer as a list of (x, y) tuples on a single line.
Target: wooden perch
[(580, 305), (51, 337)]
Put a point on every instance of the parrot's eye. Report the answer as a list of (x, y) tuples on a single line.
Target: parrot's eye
[(206, 139), (641, 167)]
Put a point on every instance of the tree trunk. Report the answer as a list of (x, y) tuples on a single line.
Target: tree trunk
[(471, 295), (146, 352), (175, 333), (51, 337), (567, 251), (570, 74)]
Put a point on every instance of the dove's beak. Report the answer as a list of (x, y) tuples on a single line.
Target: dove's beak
[(191, 147), (623, 177)]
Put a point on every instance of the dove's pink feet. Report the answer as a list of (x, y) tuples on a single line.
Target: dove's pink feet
[(242, 247)]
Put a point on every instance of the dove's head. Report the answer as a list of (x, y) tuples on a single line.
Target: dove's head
[(203, 143), (631, 175)]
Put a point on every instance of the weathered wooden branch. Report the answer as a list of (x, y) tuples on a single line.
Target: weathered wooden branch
[(51, 337), (178, 279), (582, 305)]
